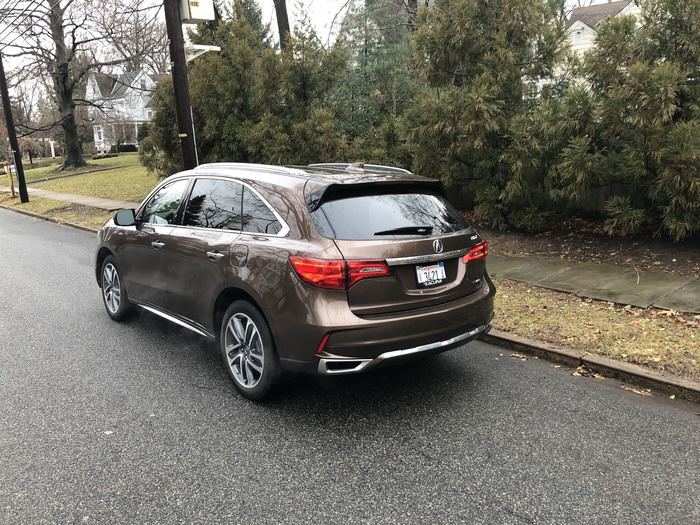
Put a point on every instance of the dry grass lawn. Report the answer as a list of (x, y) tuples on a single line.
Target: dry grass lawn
[(662, 340), (60, 211), (48, 169), (128, 181)]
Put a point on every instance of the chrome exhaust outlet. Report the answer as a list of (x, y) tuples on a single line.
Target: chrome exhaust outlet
[(342, 366)]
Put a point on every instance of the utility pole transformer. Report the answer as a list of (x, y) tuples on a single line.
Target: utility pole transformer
[(12, 134), (178, 64)]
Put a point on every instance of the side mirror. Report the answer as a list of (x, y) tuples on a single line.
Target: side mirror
[(125, 218)]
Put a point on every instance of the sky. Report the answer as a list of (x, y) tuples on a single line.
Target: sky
[(321, 13)]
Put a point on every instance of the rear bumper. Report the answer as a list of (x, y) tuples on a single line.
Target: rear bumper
[(337, 334), (336, 365)]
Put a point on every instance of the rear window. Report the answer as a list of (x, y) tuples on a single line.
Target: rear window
[(378, 216)]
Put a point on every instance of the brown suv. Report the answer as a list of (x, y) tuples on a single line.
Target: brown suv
[(331, 268)]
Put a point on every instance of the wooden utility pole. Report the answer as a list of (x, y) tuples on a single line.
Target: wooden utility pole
[(182, 91), (282, 22), (12, 134)]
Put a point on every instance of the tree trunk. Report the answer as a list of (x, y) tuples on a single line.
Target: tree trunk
[(63, 87), (73, 154), (282, 22), (412, 11)]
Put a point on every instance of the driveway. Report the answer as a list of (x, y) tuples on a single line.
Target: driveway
[(138, 423)]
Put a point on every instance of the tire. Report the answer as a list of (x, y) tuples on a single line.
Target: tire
[(247, 351), (114, 294)]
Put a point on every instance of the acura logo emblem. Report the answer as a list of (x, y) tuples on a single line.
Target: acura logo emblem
[(437, 246)]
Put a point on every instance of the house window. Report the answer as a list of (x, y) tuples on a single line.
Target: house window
[(98, 134)]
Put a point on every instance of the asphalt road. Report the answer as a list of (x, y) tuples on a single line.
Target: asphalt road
[(137, 423)]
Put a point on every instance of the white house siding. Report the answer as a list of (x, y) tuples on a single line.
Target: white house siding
[(121, 112), (581, 37)]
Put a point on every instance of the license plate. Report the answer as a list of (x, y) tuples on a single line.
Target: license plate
[(431, 275)]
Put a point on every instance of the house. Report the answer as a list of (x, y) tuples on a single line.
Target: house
[(584, 21), (119, 107)]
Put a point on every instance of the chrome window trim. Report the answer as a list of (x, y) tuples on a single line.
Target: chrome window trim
[(193, 177), (150, 196), (433, 257)]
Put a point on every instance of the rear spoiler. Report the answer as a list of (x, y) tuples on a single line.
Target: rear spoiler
[(317, 192)]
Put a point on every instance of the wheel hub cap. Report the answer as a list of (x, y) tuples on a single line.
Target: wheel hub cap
[(244, 350), (111, 288)]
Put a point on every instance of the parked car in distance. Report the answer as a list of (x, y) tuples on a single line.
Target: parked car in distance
[(329, 268)]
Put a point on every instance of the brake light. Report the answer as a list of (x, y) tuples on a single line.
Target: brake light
[(337, 273), (325, 273), (358, 270), (476, 252)]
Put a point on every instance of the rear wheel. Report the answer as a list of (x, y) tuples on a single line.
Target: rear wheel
[(247, 350), (113, 292)]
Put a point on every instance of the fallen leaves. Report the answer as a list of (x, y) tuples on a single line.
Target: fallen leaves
[(637, 390), (660, 339), (584, 371)]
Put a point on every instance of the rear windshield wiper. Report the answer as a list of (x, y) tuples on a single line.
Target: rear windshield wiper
[(408, 230)]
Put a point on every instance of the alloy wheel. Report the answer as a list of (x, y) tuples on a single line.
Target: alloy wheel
[(111, 288), (244, 350)]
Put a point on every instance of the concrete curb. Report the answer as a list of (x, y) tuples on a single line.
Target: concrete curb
[(49, 219), (665, 383)]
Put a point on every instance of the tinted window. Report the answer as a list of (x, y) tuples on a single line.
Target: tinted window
[(163, 206), (257, 216), (365, 217), (214, 204)]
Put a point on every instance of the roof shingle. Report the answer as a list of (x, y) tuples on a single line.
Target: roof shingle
[(595, 14)]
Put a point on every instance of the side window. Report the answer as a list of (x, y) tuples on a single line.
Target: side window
[(214, 204), (163, 206), (257, 216)]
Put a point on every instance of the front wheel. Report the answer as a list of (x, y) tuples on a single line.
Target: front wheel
[(247, 350), (113, 292)]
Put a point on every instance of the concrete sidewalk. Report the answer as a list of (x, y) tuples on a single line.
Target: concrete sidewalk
[(83, 200), (604, 282)]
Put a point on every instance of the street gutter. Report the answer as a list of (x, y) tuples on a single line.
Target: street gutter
[(629, 373)]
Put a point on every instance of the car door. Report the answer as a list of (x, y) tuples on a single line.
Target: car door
[(202, 247), (145, 255)]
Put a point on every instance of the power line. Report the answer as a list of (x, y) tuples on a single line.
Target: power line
[(11, 25)]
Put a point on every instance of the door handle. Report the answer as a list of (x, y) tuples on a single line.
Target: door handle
[(157, 244), (214, 256)]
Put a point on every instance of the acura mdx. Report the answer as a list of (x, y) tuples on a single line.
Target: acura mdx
[(329, 268)]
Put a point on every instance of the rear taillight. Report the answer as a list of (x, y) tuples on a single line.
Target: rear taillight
[(476, 252), (358, 270), (325, 273), (337, 273)]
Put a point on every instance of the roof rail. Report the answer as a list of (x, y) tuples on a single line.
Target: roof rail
[(264, 168), (358, 166)]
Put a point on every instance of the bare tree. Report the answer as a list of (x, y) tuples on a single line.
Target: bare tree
[(282, 22), (62, 41), (135, 34)]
